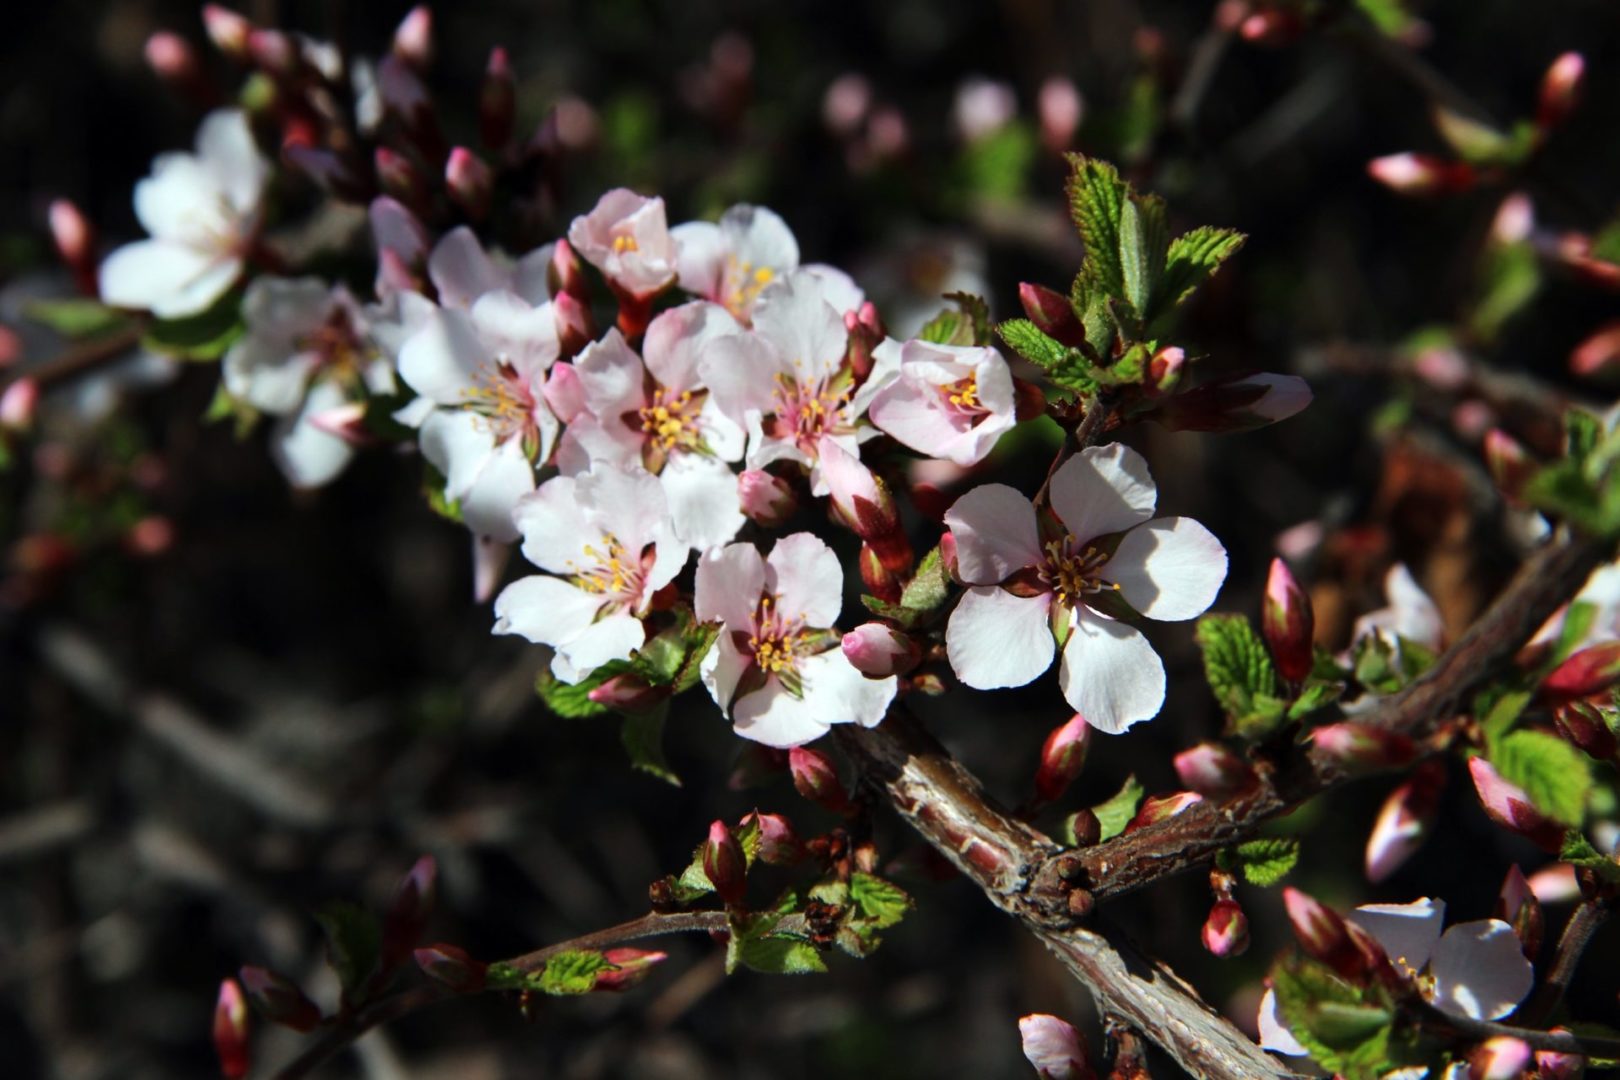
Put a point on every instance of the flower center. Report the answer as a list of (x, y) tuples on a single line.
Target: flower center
[(670, 420), (804, 412), (502, 397), (742, 284), (625, 242), (614, 574), (1073, 574), (341, 350), (775, 641), (963, 395)]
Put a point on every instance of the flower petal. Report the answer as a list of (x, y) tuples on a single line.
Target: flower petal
[(807, 580), (1274, 1035), (627, 504), (775, 717), (1103, 489), (678, 338), (703, 500), (612, 638), (729, 584), (460, 269), (515, 332), (700, 257), (441, 359), (306, 455), (1110, 674), (720, 669), (168, 279), (545, 610), (996, 639), (837, 693), (506, 477), (995, 533), (1169, 568), (803, 326), (1480, 971), (611, 377), (555, 527), (1408, 932)]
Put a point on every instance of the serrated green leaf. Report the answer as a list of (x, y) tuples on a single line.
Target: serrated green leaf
[(1031, 342), (1097, 197), (1579, 852), (642, 734), (1314, 696), (353, 943), (571, 701), (830, 891), (1192, 259), (880, 902), (1266, 861), (1116, 813), (570, 973), (1238, 666), (699, 638), (1497, 708), (201, 337), (1347, 1029), (947, 328), (928, 587), (1134, 258), (1552, 772), (76, 317), (776, 955)]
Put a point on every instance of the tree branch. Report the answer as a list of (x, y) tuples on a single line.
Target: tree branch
[(1588, 918)]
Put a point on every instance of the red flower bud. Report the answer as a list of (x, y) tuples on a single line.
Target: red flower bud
[(1029, 402), (1063, 755), (630, 967), (453, 967), (1404, 822), (1508, 806), (413, 39), (1517, 906), (18, 403), (1164, 370), (724, 864), (864, 332), (1157, 808), (278, 1000), (1590, 671), (1235, 403), (1560, 90), (1598, 354), (1226, 931), (1324, 934), (766, 499), (1052, 314), (1421, 174), (469, 182), (815, 777), (1361, 745), (227, 30), (575, 327), (231, 1031), (877, 650), (75, 240), (879, 580), (497, 101), (1214, 772), (1586, 726), (778, 844), (565, 274), (409, 912), (1499, 1058), (1508, 462), (1287, 622)]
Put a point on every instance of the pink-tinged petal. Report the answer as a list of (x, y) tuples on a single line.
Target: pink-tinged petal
[(555, 527), (1274, 1035), (1555, 884), (627, 504), (226, 147), (168, 279), (1110, 674), (995, 533), (995, 639), (516, 333), (834, 286), (1103, 489), (1480, 971), (461, 270), (741, 373), (723, 436), (807, 580), (396, 229), (489, 565), (530, 276), (611, 376), (806, 330), (612, 638), (680, 337), (487, 506), (704, 504), (440, 361), (457, 443), (308, 456), (760, 239), (545, 610), (837, 693), (1410, 614), (722, 668), (1053, 1047), (700, 257), (1407, 932), (909, 411), (774, 717), (564, 392), (1169, 568), (729, 584), (626, 236)]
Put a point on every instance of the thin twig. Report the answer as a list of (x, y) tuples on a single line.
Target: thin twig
[(85, 356), (1588, 918), (1563, 1042)]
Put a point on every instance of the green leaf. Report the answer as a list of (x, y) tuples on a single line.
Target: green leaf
[(571, 701), (353, 943), (1314, 696), (1266, 861), (1578, 851), (928, 587), (224, 406), (1552, 772), (76, 317), (1193, 258), (968, 324), (1389, 17), (571, 972), (1578, 619), (778, 955), (1029, 341), (1136, 262), (1348, 1029), (1238, 666), (433, 491), (201, 337), (1510, 277), (997, 166), (1478, 143), (1116, 813), (880, 902), (1097, 198), (642, 734), (699, 638)]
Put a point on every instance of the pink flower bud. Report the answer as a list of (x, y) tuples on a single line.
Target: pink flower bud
[(273, 52), (1552, 1065), (1272, 26), (575, 327), (1404, 822), (1589, 671), (18, 403), (860, 498), (452, 967), (171, 57), (1226, 931), (878, 651), (1509, 463), (413, 39), (778, 843), (879, 580), (150, 537), (1157, 808), (1325, 935), (630, 968), (1556, 884), (497, 101), (408, 913), (628, 692), (278, 1000), (75, 242), (768, 500), (845, 104), (1235, 403), (231, 1031), (724, 864), (1587, 728), (1508, 806), (227, 30), (1287, 622), (1052, 314), (1499, 1058), (1560, 90), (1063, 755), (1599, 354), (1517, 906), (1060, 108), (1164, 370), (1361, 745), (1214, 772), (566, 274), (815, 777), (1054, 1047), (1421, 174), (400, 179), (469, 182)]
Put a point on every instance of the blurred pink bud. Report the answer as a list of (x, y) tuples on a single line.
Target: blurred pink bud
[(469, 182), (497, 101), (566, 274), (865, 333), (1421, 174), (227, 30), (1157, 808), (1054, 1047), (151, 536), (1517, 906), (231, 1031), (778, 843), (1226, 931), (1235, 403), (1405, 820), (11, 347), (171, 57), (575, 326), (724, 864), (413, 39), (1585, 727), (845, 104), (1273, 26), (1598, 354), (1165, 369), (452, 967), (18, 404), (887, 136), (1515, 220), (982, 108), (400, 179), (489, 562), (767, 499), (1288, 623), (1560, 90), (815, 777), (879, 580), (1508, 806), (630, 967), (879, 651), (273, 52), (1509, 463), (75, 241), (575, 123), (346, 422), (1051, 313), (1060, 108), (1364, 746), (1320, 930), (1555, 884), (409, 911), (1214, 772), (1590, 671), (628, 693), (947, 556), (1499, 1058), (278, 1000), (1552, 1065), (1063, 755)]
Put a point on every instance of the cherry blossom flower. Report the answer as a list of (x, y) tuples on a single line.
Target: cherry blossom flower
[(777, 670), (482, 374), (604, 541), (626, 236), (731, 262), (653, 410), (202, 211), (949, 401), (462, 271), (1030, 581), (1475, 970), (305, 359), (788, 382), (1410, 615)]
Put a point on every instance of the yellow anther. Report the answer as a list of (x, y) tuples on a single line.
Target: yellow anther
[(625, 242)]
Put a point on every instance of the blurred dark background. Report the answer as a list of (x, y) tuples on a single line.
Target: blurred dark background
[(292, 697)]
